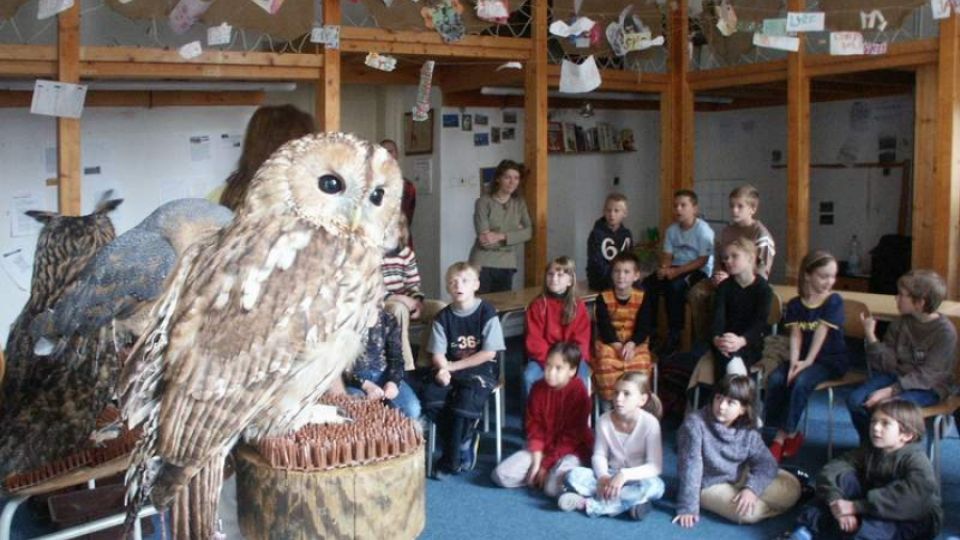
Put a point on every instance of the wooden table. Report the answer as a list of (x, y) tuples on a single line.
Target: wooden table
[(882, 306)]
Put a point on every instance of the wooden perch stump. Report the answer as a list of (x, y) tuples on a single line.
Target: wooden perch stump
[(363, 485)]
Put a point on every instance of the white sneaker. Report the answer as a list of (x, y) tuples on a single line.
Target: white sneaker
[(568, 502)]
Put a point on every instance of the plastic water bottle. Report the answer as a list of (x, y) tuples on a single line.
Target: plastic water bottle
[(853, 258)]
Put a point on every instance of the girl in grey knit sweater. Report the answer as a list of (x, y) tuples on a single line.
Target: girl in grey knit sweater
[(723, 464)]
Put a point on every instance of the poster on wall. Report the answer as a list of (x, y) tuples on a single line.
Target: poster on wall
[(417, 136)]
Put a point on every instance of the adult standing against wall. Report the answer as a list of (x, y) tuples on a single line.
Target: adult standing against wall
[(408, 204), (502, 222)]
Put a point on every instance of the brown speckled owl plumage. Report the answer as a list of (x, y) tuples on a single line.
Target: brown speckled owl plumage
[(258, 321)]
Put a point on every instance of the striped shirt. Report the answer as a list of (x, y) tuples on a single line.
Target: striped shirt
[(759, 235), (400, 273)]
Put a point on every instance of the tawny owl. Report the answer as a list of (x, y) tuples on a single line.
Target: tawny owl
[(76, 363), (257, 322)]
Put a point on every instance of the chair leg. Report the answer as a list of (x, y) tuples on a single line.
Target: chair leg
[(595, 417), (829, 423), (498, 405), (6, 518), (656, 379), (486, 417), (935, 447), (431, 446)]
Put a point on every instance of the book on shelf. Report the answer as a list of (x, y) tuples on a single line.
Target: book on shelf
[(554, 137), (569, 137), (627, 142)]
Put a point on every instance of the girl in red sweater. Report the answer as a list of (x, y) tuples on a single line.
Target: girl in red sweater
[(554, 316), (559, 438)]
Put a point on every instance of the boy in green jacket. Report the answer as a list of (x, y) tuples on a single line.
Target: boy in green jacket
[(884, 490)]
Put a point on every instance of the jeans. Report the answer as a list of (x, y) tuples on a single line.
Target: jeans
[(675, 292), (819, 521), (582, 481), (406, 399), (861, 415), (496, 279), (534, 372), (785, 404)]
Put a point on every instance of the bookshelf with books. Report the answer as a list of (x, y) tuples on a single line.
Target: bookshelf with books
[(570, 138)]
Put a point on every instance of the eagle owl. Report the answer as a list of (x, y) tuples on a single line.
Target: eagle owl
[(64, 246), (256, 322)]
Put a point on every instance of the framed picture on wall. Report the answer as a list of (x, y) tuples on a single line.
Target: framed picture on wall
[(417, 136)]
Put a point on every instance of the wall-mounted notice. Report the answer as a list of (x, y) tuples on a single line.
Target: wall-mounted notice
[(55, 98)]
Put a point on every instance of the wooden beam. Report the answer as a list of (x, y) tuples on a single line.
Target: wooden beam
[(759, 73), (676, 117), (68, 129), (798, 155), (946, 206), (924, 227), (148, 71), (357, 39), (902, 54), (535, 145), (140, 55), (146, 99), (328, 87)]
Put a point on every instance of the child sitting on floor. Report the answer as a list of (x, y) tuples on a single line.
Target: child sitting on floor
[(556, 315), (627, 456), (884, 490), (915, 360), (624, 318), (723, 464), (557, 424)]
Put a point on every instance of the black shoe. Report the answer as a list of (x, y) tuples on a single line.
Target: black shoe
[(640, 511)]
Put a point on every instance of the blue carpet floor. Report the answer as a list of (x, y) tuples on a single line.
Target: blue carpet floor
[(469, 506)]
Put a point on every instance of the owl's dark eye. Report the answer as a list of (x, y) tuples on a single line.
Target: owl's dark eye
[(331, 184), (377, 196)]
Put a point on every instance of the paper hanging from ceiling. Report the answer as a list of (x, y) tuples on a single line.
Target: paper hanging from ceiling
[(805, 21), (873, 20), (845, 14), (405, 15), (382, 62), (49, 8), (221, 34), (846, 43), (782, 43), (327, 35), (446, 19), (186, 13), (191, 50), (493, 10), (422, 109), (270, 6), (579, 78), (750, 19), (579, 26), (642, 15)]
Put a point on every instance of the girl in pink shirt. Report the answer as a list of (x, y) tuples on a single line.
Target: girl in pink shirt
[(627, 456)]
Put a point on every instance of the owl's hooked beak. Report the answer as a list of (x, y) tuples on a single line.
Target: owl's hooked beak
[(355, 221)]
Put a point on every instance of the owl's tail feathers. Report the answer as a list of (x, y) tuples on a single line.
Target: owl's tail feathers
[(195, 508), (153, 481)]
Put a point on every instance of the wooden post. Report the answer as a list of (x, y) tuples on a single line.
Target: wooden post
[(328, 87), (946, 207), (798, 155), (676, 118), (924, 167), (535, 146), (68, 129)]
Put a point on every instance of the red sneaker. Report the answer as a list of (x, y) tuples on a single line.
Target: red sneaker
[(791, 446), (776, 449)]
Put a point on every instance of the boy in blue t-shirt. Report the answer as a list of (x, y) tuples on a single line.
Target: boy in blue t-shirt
[(464, 342), (687, 258)]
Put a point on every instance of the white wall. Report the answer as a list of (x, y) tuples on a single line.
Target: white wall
[(738, 145), (144, 155)]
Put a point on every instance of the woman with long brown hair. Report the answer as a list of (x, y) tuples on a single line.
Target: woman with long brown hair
[(269, 128), (502, 222)]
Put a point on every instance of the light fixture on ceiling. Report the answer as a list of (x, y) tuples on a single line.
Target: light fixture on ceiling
[(602, 96), (161, 86), (586, 110)]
